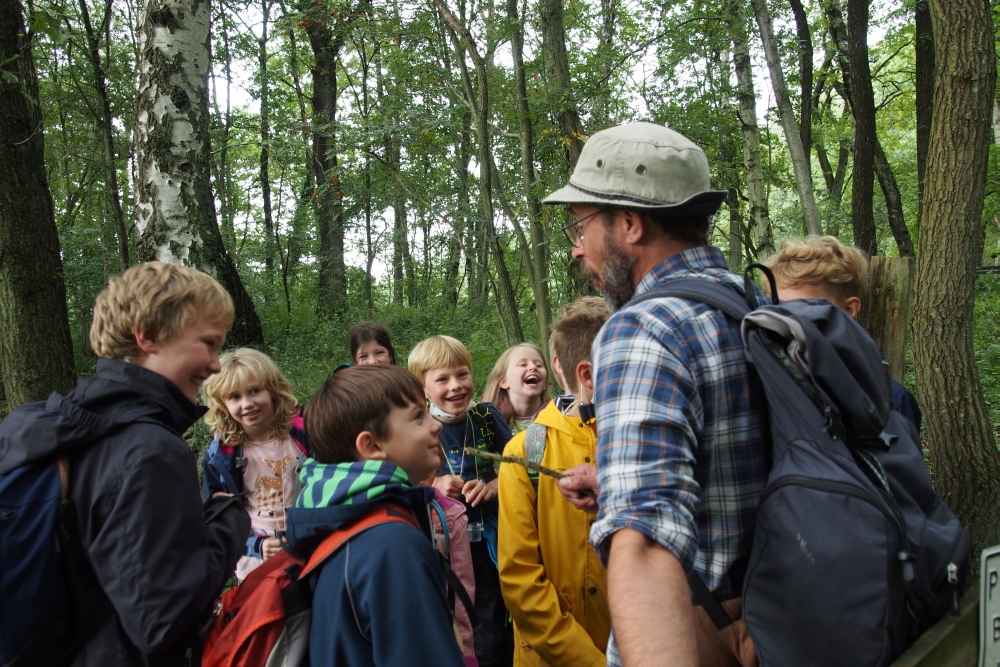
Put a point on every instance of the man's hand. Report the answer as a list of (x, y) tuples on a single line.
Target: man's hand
[(650, 603), (477, 491), (582, 477), (270, 547), (449, 485)]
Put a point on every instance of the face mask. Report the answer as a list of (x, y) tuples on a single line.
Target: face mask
[(447, 417)]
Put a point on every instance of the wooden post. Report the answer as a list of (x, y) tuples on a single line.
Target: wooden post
[(887, 308)]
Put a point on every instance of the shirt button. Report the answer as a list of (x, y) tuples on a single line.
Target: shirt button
[(587, 459), (593, 590)]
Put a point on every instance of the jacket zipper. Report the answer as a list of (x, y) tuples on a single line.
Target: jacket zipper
[(843, 488)]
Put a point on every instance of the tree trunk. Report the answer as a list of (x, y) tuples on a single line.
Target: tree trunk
[(805, 78), (888, 305), (481, 113), (265, 140), (924, 84), (107, 130), (760, 220), (222, 176), (175, 209), (893, 203), (605, 48), (332, 297), (966, 460), (800, 161), (559, 84), (538, 266), (735, 230), (36, 350), (863, 108)]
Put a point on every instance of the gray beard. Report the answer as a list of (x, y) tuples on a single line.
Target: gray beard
[(616, 275)]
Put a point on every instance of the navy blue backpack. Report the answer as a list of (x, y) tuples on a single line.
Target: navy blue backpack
[(854, 554), (50, 603)]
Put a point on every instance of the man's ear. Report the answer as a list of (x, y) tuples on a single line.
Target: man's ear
[(585, 374), (368, 447), (145, 342), (634, 226), (852, 305)]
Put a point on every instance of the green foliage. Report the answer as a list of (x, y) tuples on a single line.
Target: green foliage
[(987, 323)]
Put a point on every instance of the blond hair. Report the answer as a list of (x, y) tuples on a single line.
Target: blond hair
[(242, 368), (497, 395), (160, 300), (437, 352), (823, 262), (574, 333)]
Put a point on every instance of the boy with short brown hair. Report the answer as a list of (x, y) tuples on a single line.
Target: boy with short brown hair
[(159, 554), (553, 582), (444, 367), (380, 599), (821, 267)]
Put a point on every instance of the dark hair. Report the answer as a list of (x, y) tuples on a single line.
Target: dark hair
[(688, 229), (356, 399), (365, 332)]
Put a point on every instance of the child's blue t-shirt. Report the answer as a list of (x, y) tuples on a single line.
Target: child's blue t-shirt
[(483, 428)]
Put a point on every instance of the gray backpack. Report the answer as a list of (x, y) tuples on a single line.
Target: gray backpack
[(854, 554)]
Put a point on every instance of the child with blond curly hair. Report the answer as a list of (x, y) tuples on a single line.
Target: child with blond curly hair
[(258, 443)]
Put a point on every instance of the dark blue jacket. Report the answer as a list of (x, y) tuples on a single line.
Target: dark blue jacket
[(380, 600), (904, 403)]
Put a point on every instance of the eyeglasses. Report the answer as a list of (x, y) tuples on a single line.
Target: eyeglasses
[(574, 229)]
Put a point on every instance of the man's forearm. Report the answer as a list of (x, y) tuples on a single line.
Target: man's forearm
[(650, 603)]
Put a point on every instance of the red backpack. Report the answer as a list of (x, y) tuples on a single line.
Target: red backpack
[(266, 620)]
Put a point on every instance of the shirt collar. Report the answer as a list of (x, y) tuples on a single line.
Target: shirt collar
[(703, 259)]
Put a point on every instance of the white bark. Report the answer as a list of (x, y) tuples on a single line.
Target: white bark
[(173, 198), (996, 121), (800, 161)]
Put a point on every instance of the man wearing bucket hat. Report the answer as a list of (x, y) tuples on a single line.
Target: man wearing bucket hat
[(681, 463)]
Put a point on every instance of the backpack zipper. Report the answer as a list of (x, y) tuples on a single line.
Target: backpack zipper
[(843, 488)]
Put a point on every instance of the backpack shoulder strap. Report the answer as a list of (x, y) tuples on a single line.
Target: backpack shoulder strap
[(716, 295), (534, 449), (340, 537)]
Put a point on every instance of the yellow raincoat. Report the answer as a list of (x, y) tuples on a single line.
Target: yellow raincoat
[(552, 580)]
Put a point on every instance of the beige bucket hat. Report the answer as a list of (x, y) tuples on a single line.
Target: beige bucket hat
[(642, 166)]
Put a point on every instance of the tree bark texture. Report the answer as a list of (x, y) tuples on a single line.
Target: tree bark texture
[(958, 428), (924, 84), (36, 351), (760, 220), (889, 303), (805, 77), (800, 161), (175, 209), (559, 84), (329, 209), (107, 130), (863, 108)]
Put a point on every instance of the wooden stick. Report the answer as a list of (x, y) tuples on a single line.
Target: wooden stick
[(530, 465)]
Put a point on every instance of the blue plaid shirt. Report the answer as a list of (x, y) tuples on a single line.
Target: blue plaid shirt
[(680, 457)]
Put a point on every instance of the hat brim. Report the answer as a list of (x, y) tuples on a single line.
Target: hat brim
[(703, 203)]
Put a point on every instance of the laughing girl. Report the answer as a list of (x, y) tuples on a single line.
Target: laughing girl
[(518, 385)]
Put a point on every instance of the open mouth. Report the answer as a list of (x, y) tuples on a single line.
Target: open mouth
[(532, 380)]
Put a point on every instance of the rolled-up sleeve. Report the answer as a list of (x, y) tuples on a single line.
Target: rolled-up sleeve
[(648, 413)]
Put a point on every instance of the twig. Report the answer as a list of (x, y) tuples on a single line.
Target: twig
[(530, 465)]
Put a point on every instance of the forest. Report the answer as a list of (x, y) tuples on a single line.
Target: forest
[(331, 161)]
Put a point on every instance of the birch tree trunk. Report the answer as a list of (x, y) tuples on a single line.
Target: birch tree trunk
[(175, 209), (36, 351), (760, 220), (958, 428), (800, 161)]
